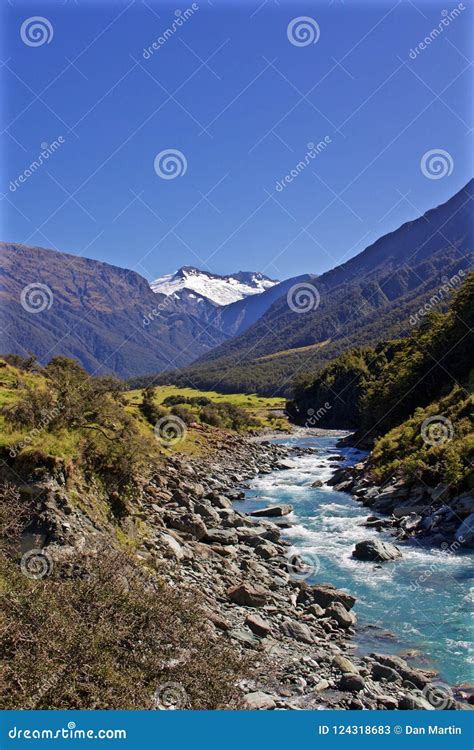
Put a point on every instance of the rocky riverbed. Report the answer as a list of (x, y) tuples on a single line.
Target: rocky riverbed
[(298, 638), (433, 514)]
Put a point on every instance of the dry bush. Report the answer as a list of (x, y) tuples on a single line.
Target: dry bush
[(107, 641)]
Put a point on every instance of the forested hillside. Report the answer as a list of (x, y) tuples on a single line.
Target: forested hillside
[(395, 388), (373, 297)]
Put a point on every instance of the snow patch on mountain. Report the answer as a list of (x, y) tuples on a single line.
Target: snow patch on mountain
[(220, 290)]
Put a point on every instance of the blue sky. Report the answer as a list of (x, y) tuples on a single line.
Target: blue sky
[(232, 93)]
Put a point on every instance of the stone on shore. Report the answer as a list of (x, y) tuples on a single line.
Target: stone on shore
[(384, 672), (258, 626), (247, 595), (259, 701), (324, 594), (352, 682), (414, 703), (221, 536), (344, 664), (343, 617), (297, 630), (273, 510), (418, 677), (373, 550)]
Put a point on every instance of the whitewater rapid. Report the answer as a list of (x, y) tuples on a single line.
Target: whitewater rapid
[(421, 606)]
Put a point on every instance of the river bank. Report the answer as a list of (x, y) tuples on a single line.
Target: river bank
[(296, 633)]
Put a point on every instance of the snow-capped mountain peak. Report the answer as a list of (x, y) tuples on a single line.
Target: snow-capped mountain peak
[(220, 290)]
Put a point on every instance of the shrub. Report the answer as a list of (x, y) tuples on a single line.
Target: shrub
[(174, 400), (186, 415), (111, 639)]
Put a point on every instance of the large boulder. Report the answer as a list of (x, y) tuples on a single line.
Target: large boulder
[(273, 510), (188, 523), (411, 702), (324, 594), (221, 536), (297, 630), (259, 701), (258, 626), (351, 682), (247, 595), (418, 677), (373, 550), (343, 664), (171, 548), (343, 617)]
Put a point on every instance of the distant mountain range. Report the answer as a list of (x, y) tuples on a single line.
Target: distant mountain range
[(371, 297), (224, 302), (241, 332), (106, 317), (190, 282)]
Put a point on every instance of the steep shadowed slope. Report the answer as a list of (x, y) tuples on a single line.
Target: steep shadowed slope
[(371, 297), (104, 316)]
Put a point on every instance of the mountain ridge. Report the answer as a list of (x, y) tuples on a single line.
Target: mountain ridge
[(94, 312), (369, 297)]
